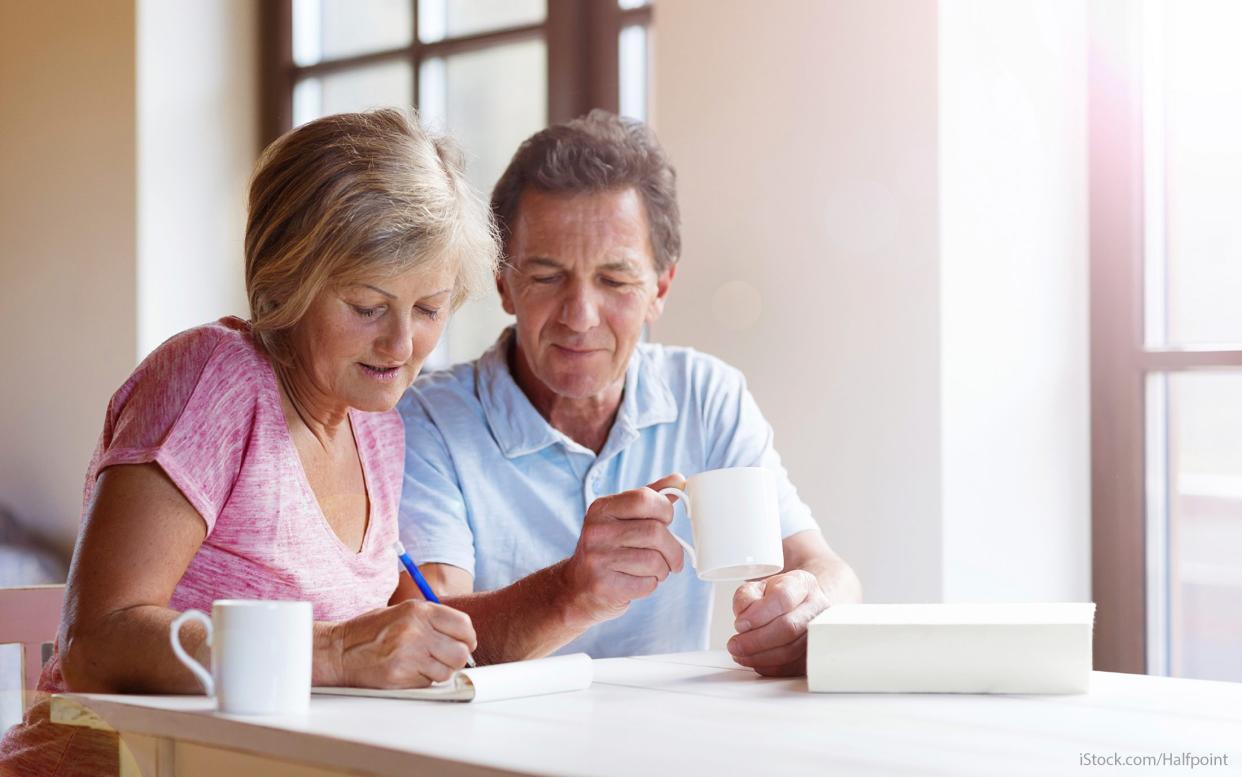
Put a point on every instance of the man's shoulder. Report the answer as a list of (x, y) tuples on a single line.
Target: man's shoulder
[(441, 394), (688, 370)]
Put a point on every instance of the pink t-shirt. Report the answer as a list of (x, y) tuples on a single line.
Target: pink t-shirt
[(205, 406)]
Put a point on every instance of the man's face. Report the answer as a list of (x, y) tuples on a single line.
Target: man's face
[(582, 283)]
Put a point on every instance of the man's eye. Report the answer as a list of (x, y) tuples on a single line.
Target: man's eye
[(544, 278), (612, 283)]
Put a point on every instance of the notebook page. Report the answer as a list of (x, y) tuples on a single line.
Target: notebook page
[(555, 674), (515, 680)]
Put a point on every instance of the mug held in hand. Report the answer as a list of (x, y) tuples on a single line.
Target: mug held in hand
[(260, 655), (735, 517)]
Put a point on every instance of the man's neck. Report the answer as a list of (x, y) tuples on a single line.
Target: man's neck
[(586, 421)]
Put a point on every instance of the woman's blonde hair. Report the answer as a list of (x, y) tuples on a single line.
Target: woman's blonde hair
[(352, 195)]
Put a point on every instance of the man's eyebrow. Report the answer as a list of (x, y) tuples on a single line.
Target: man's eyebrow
[(624, 266), (543, 261)]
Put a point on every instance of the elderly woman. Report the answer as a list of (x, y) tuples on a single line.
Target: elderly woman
[(262, 459)]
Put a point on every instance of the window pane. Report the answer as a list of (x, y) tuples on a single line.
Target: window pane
[(440, 19), (333, 29), (632, 69), (1202, 86), (1204, 534), (489, 101), (376, 86)]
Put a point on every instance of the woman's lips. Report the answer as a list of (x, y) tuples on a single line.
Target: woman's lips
[(382, 374)]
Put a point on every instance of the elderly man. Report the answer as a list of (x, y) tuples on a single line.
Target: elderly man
[(531, 474)]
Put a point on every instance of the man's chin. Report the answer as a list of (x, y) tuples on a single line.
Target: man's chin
[(575, 386)]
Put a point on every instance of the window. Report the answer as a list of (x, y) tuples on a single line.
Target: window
[(1166, 155), (488, 72)]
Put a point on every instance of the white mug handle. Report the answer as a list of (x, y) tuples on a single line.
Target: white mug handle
[(685, 500), (174, 637)]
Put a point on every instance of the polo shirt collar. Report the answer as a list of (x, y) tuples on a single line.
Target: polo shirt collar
[(519, 429)]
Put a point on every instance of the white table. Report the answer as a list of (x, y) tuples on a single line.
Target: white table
[(685, 714)]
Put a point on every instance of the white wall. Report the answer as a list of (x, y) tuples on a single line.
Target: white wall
[(1014, 350), (902, 279), (68, 325), (198, 136)]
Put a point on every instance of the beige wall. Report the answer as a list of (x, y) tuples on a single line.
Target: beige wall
[(68, 332), (804, 135), (129, 133), (884, 228)]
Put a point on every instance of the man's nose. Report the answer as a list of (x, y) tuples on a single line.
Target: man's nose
[(580, 307)]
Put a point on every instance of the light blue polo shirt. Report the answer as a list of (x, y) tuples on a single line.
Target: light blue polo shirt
[(492, 488)]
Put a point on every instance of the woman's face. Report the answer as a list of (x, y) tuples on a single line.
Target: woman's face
[(361, 345)]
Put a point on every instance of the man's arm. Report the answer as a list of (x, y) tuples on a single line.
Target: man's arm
[(771, 615), (624, 552)]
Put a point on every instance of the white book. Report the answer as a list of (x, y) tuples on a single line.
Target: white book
[(515, 680), (951, 648)]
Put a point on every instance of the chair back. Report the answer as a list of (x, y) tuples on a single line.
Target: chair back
[(30, 617)]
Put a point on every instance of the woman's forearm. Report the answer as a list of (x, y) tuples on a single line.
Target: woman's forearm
[(129, 651)]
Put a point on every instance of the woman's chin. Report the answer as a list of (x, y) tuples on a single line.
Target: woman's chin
[(377, 400)]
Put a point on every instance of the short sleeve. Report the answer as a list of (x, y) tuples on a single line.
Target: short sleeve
[(433, 517), (739, 436), (189, 407)]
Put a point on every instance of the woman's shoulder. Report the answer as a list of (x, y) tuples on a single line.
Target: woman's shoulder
[(218, 360), (228, 340)]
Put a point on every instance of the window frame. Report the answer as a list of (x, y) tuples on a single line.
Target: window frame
[(582, 55), (1121, 361)]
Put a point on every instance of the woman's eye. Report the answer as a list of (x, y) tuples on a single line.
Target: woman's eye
[(368, 312), (429, 313)]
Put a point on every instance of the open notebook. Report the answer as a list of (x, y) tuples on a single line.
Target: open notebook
[(493, 683)]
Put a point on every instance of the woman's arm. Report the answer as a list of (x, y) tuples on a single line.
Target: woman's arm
[(138, 536)]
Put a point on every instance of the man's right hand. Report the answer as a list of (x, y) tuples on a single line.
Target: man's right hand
[(625, 551)]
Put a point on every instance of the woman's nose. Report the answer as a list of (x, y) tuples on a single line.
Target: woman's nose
[(397, 341)]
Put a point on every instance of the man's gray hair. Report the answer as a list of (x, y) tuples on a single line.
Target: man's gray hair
[(597, 152)]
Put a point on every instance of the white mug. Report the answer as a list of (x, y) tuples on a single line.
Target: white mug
[(260, 655), (736, 520)]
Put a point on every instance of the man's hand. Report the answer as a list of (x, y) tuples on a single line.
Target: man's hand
[(771, 617), (624, 552)]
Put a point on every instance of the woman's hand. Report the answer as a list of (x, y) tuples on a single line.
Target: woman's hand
[(407, 645)]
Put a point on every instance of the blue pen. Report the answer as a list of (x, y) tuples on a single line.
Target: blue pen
[(421, 582)]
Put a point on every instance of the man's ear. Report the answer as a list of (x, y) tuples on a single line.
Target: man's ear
[(663, 283), (502, 286)]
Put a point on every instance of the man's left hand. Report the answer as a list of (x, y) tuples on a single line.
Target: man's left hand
[(771, 617)]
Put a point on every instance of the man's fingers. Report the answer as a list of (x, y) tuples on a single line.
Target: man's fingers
[(675, 480), (639, 562), (746, 595), (781, 594), (780, 631), (776, 657), (641, 503)]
